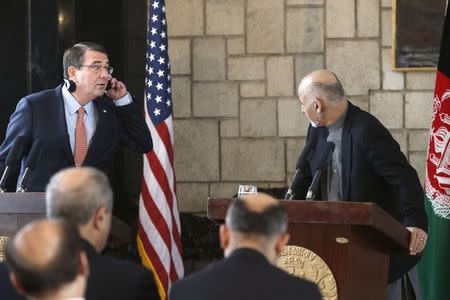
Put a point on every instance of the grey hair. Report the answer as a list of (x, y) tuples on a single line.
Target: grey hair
[(74, 55), (332, 92), (78, 200)]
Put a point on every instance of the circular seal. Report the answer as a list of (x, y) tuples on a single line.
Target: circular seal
[(3, 240), (304, 263)]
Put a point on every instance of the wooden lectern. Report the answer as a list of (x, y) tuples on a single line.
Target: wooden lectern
[(17, 209), (353, 238)]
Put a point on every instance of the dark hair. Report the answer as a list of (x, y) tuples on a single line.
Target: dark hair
[(269, 222), (61, 269), (74, 55), (332, 91), (78, 201)]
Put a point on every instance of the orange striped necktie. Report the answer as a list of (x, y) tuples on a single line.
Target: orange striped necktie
[(81, 147)]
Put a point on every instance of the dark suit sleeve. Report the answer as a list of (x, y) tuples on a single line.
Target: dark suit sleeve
[(388, 162), (134, 127), (146, 288), (7, 290), (20, 124)]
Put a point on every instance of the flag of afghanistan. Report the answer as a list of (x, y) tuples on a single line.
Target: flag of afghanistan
[(434, 268)]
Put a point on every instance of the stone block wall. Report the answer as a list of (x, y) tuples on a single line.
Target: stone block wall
[(236, 65)]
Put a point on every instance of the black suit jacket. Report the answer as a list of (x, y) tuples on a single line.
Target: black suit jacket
[(109, 278), (245, 274), (7, 291), (41, 116), (375, 170)]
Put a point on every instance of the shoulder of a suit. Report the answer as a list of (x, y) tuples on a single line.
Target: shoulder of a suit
[(120, 264), (45, 95), (360, 117)]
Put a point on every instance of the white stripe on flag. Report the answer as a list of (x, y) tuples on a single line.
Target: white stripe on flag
[(162, 155), (154, 238), (156, 192)]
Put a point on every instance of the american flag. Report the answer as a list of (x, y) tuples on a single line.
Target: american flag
[(159, 241)]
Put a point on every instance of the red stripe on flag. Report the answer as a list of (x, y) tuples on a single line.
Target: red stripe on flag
[(154, 257), (156, 216), (173, 272), (163, 182), (163, 132), (150, 206)]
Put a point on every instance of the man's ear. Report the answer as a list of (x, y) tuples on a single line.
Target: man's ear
[(99, 218), (84, 264), (224, 233), (16, 283), (282, 241), (72, 72), (318, 105)]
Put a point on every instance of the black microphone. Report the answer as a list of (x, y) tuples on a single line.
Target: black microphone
[(301, 172), (32, 159), (13, 159), (324, 162)]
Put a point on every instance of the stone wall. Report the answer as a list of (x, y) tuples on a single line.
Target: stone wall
[(236, 65)]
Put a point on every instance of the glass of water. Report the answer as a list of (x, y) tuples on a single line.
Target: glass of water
[(245, 189)]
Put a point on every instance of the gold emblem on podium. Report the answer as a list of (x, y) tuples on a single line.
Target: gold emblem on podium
[(304, 263), (3, 240)]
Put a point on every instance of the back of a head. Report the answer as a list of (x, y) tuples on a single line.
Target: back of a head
[(257, 215), (75, 194), (44, 255)]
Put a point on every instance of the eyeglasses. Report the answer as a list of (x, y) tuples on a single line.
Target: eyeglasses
[(98, 68)]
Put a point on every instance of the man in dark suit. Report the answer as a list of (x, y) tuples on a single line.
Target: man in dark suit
[(253, 237), (84, 198), (47, 261), (367, 165), (78, 123)]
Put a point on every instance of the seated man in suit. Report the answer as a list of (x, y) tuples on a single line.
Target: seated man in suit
[(47, 261), (253, 237), (80, 123), (83, 197)]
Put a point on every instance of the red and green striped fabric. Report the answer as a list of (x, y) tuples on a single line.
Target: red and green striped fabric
[(434, 268)]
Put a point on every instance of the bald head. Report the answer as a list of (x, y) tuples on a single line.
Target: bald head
[(44, 255), (259, 202), (322, 84), (28, 242), (75, 194), (258, 214)]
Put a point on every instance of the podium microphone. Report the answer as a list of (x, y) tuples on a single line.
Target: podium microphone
[(299, 176), (13, 159), (324, 162), (32, 159)]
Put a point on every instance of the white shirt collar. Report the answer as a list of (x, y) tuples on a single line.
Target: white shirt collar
[(72, 103)]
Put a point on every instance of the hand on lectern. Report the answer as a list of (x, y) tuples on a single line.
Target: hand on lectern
[(417, 240)]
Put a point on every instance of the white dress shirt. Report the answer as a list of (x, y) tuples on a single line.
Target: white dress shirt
[(90, 119)]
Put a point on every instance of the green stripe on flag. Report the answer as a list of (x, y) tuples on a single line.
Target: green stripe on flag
[(434, 268)]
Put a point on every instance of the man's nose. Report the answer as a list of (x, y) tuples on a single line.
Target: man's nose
[(105, 74)]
